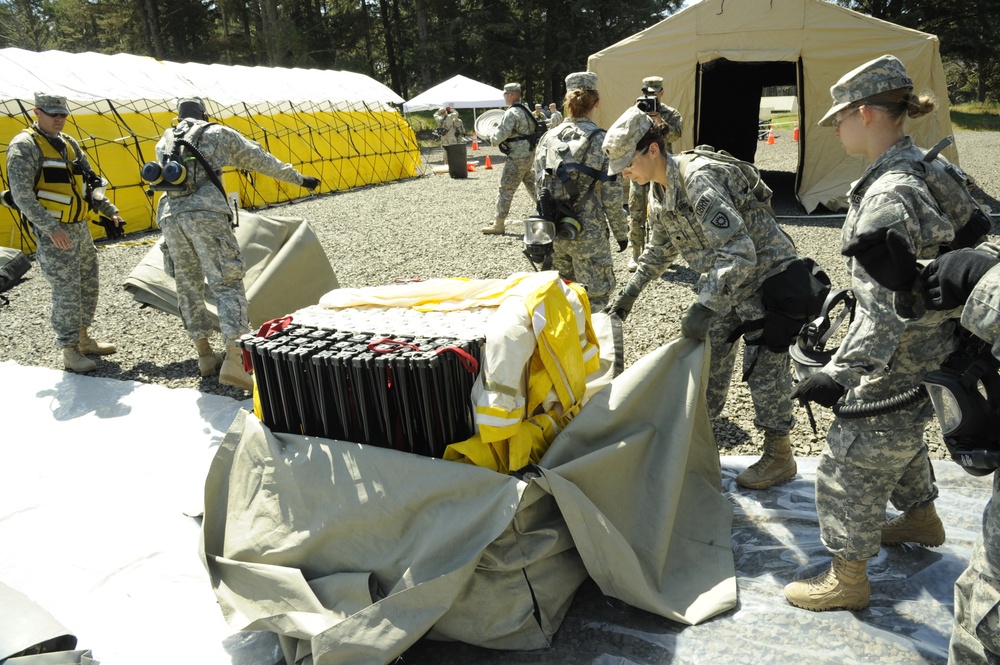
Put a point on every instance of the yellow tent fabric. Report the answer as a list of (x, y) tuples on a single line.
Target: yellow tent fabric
[(338, 126), (820, 40)]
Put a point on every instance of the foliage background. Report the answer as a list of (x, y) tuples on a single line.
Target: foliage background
[(411, 45)]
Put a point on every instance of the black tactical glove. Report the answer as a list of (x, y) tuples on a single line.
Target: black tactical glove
[(819, 388), (886, 255), (622, 303), (949, 279), (696, 320), (310, 182), (622, 244)]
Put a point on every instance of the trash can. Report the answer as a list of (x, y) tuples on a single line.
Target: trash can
[(458, 165)]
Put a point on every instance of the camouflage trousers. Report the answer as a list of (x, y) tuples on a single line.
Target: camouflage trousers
[(769, 379), (861, 470), (975, 636), (587, 261), (205, 249), (73, 275), (637, 214), (515, 171)]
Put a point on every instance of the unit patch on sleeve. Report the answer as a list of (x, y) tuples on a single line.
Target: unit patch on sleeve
[(720, 220), (717, 216)]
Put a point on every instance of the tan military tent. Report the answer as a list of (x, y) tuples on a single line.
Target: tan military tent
[(717, 55)]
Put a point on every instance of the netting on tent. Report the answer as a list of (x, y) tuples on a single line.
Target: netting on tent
[(340, 127)]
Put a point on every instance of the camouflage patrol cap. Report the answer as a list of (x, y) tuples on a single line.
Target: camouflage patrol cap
[(882, 74), (190, 107), (654, 83), (512, 87), (51, 104), (581, 81), (623, 136)]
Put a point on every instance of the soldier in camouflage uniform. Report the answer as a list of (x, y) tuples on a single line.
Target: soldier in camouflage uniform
[(670, 118), (869, 461), (449, 121), (46, 171), (198, 238), (512, 137), (716, 214), (571, 167), (555, 117)]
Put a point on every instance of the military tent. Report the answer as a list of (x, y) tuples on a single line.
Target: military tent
[(458, 92), (339, 126), (716, 56)]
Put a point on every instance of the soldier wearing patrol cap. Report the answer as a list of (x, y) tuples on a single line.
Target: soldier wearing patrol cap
[(198, 240), (715, 214), (555, 117), (670, 118), (48, 174), (512, 137), (871, 461)]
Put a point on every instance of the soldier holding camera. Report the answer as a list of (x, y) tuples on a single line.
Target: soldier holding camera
[(670, 118), (198, 239), (52, 184)]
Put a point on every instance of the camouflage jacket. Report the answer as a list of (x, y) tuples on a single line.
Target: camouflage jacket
[(24, 162), (515, 122), (671, 118), (221, 146)]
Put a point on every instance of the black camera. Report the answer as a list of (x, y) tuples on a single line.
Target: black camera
[(647, 103)]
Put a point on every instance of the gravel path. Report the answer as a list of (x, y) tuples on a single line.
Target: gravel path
[(429, 227)]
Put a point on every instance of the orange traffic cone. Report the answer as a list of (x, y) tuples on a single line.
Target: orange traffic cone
[(475, 141), (472, 167), (770, 136), (795, 132), (489, 164)]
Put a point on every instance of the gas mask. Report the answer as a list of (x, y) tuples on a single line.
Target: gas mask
[(538, 236)]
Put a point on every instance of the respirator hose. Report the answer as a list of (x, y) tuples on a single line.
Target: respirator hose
[(880, 407)]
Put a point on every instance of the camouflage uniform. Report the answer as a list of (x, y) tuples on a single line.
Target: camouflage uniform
[(73, 273), (871, 461), (555, 117), (517, 168), (976, 631), (198, 233), (587, 258), (714, 221), (638, 194), (454, 130)]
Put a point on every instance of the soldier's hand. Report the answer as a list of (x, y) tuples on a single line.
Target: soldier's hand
[(949, 279), (621, 305), (61, 239), (696, 320), (886, 255), (819, 388), (310, 182)]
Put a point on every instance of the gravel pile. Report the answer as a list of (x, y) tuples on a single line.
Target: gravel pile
[(429, 227)]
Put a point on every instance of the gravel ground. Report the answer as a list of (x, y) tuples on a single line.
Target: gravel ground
[(429, 227)]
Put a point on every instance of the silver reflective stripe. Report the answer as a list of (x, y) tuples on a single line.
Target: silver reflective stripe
[(52, 196), (54, 163)]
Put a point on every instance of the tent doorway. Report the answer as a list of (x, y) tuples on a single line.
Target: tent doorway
[(728, 106)]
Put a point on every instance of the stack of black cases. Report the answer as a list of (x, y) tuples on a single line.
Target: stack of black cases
[(327, 375)]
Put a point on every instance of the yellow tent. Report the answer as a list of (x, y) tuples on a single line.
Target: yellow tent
[(717, 55), (341, 127)]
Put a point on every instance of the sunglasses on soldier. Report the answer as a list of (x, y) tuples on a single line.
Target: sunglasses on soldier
[(54, 115)]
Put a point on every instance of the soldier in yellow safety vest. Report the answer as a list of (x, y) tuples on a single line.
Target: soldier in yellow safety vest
[(54, 186)]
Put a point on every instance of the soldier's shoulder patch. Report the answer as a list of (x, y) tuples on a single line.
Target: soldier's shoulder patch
[(703, 203), (720, 220)]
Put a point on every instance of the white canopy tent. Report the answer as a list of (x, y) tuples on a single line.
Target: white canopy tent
[(458, 92)]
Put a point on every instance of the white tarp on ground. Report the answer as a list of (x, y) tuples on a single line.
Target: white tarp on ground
[(458, 92), (93, 525)]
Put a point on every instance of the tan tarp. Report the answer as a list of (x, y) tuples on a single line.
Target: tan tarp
[(826, 41), (287, 269), (352, 553)]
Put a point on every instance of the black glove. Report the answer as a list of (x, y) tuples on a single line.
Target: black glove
[(621, 305), (949, 279), (310, 182), (696, 320), (885, 254), (622, 244), (819, 388)]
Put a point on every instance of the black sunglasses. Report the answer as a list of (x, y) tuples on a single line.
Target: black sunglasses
[(54, 115)]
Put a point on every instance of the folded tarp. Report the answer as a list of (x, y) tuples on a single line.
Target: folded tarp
[(352, 553), (287, 269)]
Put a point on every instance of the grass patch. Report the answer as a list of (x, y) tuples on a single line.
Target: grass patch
[(983, 117)]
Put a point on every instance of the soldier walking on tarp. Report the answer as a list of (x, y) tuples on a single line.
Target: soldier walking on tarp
[(53, 185), (198, 239)]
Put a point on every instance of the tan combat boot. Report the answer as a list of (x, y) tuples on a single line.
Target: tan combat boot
[(775, 466), (232, 372), (844, 587), (920, 525), (208, 360), (497, 228), (93, 347), (76, 361)]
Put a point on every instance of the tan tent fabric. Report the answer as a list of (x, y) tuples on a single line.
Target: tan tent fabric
[(826, 41), (286, 269), (352, 553)]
